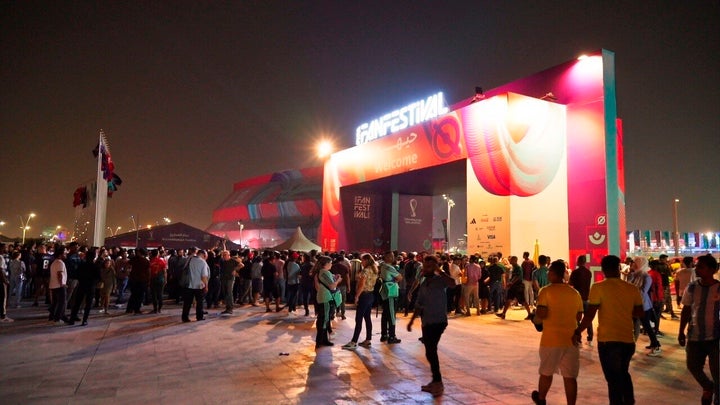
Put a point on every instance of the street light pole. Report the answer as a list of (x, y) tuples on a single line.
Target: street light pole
[(137, 231), (676, 233), (450, 205), (25, 225)]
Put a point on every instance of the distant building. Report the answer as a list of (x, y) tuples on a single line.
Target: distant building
[(266, 210)]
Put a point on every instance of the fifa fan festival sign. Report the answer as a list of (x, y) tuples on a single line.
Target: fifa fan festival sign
[(402, 118), (534, 169)]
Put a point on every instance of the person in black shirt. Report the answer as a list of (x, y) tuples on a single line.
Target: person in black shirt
[(269, 274)]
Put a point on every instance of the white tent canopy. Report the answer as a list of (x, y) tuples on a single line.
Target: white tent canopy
[(298, 242)]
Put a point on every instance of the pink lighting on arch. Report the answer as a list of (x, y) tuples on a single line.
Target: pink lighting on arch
[(585, 75)]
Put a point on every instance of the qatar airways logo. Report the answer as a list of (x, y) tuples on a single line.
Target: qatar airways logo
[(411, 114)]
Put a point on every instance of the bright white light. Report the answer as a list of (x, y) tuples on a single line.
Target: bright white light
[(324, 149)]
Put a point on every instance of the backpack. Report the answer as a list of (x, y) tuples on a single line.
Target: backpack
[(376, 291), (184, 279)]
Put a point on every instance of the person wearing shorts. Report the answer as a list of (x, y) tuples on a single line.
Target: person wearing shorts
[(515, 289), (559, 308)]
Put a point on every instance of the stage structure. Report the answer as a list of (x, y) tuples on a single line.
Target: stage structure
[(540, 160)]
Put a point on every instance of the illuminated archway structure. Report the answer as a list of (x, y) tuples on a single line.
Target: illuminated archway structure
[(537, 167)]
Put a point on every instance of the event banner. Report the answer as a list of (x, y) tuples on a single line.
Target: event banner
[(415, 215), (517, 169), (367, 219)]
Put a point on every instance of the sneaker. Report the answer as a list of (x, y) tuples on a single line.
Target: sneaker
[(6, 319), (655, 352), (535, 395), (432, 386), (437, 389), (392, 340), (365, 343), (102, 311), (350, 346)]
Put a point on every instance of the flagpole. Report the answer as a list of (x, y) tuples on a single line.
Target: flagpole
[(101, 194)]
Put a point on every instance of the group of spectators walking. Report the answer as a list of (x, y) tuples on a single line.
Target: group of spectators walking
[(632, 298)]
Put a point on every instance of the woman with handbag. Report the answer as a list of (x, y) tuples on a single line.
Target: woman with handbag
[(390, 290), (326, 285)]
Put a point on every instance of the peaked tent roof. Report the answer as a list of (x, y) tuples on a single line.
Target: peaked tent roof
[(172, 236), (298, 242)]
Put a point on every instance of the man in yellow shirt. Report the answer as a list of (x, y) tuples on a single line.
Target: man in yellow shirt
[(617, 302), (560, 308)]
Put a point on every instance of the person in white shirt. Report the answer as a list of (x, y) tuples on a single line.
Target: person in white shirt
[(683, 277), (58, 286), (199, 272)]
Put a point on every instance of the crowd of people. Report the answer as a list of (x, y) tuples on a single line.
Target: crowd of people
[(561, 301)]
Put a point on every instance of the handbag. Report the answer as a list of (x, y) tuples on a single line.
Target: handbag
[(336, 296), (393, 289)]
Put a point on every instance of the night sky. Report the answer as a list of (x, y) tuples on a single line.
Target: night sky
[(194, 96)]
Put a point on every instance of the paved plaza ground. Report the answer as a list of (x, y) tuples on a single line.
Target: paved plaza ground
[(254, 357)]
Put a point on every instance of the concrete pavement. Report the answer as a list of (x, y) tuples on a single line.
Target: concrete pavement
[(254, 357)]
